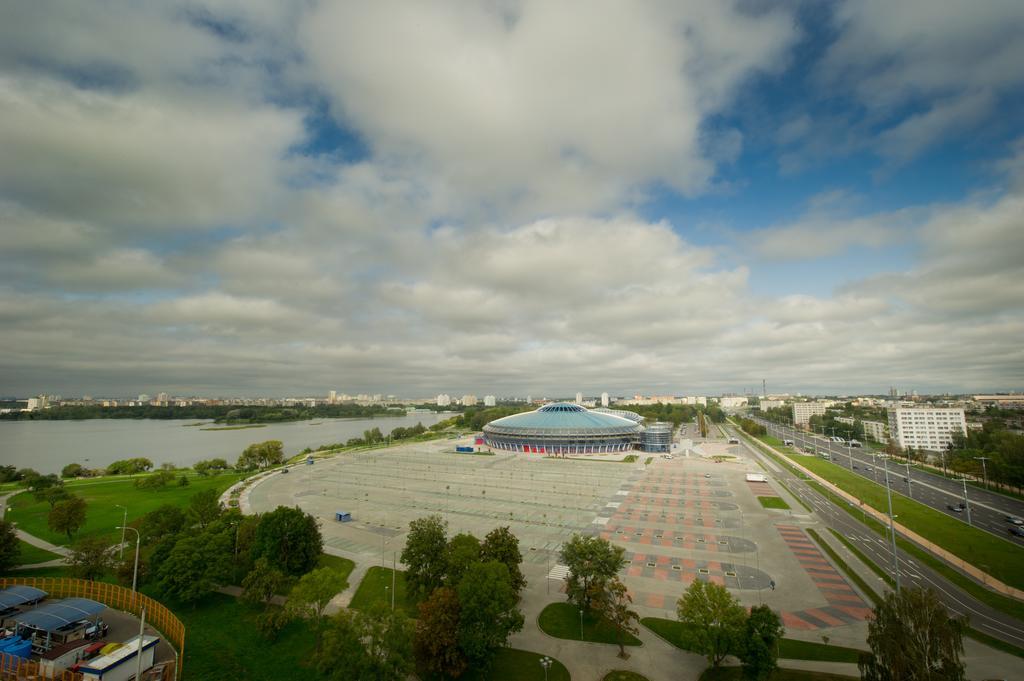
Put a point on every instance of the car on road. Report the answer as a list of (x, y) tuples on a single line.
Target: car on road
[(707, 475), (869, 469), (855, 443), (787, 443), (855, 467), (956, 508), (734, 440), (1015, 519), (1016, 531)]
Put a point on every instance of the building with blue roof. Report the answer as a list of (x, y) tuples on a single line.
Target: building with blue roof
[(563, 428)]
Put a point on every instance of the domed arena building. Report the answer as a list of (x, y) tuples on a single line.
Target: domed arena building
[(563, 428)]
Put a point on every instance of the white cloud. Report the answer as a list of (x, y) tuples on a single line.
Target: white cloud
[(559, 106)]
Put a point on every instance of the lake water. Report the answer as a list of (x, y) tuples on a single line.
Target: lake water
[(48, 446)]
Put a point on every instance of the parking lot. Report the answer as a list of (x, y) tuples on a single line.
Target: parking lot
[(694, 516)]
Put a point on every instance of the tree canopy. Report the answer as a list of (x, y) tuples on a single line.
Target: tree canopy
[(311, 595), (758, 650), (90, 558), (67, 516), (10, 550), (488, 613), (261, 455), (289, 539), (590, 560), (714, 620), (425, 555), (436, 645), (913, 638), (368, 646), (503, 546)]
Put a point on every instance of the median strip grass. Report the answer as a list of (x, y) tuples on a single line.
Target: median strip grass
[(562, 620), (773, 502)]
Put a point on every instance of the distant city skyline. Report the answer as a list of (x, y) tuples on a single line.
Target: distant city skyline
[(259, 198)]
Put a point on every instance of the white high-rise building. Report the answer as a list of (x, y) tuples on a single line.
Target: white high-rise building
[(765, 405), (490, 401), (443, 400), (332, 397), (468, 400), (926, 428), (579, 398), (803, 411), (604, 399), (732, 402)]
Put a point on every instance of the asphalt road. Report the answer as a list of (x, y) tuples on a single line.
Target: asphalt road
[(982, 617), (987, 510)]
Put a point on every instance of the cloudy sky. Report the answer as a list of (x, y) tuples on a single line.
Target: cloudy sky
[(230, 197)]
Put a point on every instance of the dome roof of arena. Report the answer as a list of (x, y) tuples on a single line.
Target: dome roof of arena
[(562, 418)]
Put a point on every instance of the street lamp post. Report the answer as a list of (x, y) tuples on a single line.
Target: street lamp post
[(984, 468), (892, 527), (910, 486), (967, 504), (545, 662), (123, 524)]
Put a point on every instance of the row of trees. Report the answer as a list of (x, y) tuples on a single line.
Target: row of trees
[(467, 591), (752, 427), (1004, 451)]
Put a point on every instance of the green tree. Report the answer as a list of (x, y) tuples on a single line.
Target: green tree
[(311, 595), (436, 645), (503, 546), (714, 620), (125, 570), (196, 566), (289, 539), (913, 638), (67, 516), (42, 485), (204, 507), (425, 555), (261, 455), (262, 583), (368, 646), (462, 551), (210, 467), (488, 614), (10, 550), (165, 521), (590, 560), (90, 558), (130, 466), (54, 495), (72, 470), (157, 480), (613, 603), (759, 647)]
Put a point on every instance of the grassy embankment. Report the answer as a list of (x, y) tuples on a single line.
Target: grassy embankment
[(1004, 604), (790, 649), (562, 620), (30, 555), (995, 555), (102, 496)]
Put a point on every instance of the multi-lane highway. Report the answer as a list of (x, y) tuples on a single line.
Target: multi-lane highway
[(912, 573), (985, 510)]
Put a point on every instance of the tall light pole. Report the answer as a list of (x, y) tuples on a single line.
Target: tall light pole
[(123, 523), (967, 504), (581, 624), (910, 487), (984, 468), (892, 528), (545, 662)]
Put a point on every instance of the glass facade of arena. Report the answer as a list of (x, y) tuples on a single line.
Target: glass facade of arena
[(563, 428), (657, 438)]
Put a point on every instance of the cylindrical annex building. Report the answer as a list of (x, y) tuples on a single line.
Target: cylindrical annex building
[(563, 428)]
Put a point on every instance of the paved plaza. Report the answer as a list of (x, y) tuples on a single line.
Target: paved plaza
[(691, 517)]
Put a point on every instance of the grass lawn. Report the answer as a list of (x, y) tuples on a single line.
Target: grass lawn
[(102, 516), (376, 588), (736, 674), (342, 565), (773, 502), (562, 620), (511, 664), (221, 642), (620, 675), (30, 555), (790, 649), (1002, 558)]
